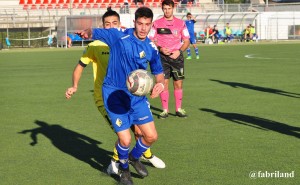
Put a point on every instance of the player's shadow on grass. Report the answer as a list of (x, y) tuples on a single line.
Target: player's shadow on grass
[(156, 111), (258, 88), (257, 122), (72, 143)]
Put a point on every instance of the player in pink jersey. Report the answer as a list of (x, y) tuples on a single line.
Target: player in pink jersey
[(171, 37)]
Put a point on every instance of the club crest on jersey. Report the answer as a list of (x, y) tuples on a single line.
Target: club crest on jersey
[(142, 54), (118, 122)]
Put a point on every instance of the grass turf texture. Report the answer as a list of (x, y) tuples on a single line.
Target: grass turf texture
[(243, 117)]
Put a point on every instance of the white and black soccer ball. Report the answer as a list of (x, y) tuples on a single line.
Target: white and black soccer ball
[(140, 82)]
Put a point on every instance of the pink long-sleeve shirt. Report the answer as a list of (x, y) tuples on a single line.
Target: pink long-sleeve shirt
[(171, 41)]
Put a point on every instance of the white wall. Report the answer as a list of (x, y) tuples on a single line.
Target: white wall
[(4, 3), (274, 25)]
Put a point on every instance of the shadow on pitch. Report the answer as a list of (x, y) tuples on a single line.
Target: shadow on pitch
[(257, 122), (72, 143), (258, 88)]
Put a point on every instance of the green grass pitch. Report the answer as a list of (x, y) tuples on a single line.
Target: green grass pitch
[(242, 101)]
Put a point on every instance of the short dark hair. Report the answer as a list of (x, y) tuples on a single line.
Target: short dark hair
[(168, 2), (188, 14), (109, 13), (143, 12)]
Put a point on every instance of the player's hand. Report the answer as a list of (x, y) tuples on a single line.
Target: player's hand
[(70, 91), (157, 89), (85, 34), (175, 54), (165, 51)]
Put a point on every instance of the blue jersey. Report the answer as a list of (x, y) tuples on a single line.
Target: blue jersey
[(127, 53), (190, 26)]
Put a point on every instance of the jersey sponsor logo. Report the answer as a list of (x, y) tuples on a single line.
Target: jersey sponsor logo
[(125, 37), (164, 31), (105, 53), (143, 118), (118, 122), (142, 54)]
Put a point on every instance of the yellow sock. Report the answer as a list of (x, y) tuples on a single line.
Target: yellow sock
[(148, 153), (115, 156)]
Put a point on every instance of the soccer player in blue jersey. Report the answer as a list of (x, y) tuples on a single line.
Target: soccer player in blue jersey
[(97, 54), (129, 51), (190, 22)]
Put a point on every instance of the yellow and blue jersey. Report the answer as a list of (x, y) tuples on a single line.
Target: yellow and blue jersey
[(96, 53)]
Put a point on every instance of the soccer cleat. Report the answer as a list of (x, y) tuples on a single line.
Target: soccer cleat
[(113, 168), (125, 177), (164, 114), (181, 113), (189, 57), (138, 166), (197, 57), (155, 161)]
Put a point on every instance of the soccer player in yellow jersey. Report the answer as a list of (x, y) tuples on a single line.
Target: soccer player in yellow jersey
[(97, 53)]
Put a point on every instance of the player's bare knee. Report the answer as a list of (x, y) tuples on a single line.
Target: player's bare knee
[(151, 138), (125, 141)]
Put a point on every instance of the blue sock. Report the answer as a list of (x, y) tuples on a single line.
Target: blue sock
[(197, 51), (138, 149), (123, 153), (189, 52)]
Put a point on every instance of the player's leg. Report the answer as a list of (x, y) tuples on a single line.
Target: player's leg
[(164, 96), (188, 50), (178, 76), (148, 155), (196, 51), (193, 41), (113, 168), (117, 105), (123, 146), (178, 94), (141, 109)]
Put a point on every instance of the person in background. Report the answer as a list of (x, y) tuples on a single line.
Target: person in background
[(253, 34), (228, 33), (50, 40), (215, 34), (172, 38), (208, 33), (190, 24), (7, 42)]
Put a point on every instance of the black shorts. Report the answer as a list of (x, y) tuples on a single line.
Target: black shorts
[(173, 67)]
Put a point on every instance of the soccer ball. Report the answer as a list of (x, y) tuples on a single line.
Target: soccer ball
[(140, 82)]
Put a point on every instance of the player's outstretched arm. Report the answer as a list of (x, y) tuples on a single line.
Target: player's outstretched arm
[(76, 77), (85, 34), (159, 86)]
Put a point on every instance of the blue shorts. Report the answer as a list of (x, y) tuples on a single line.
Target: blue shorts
[(192, 39), (125, 109)]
